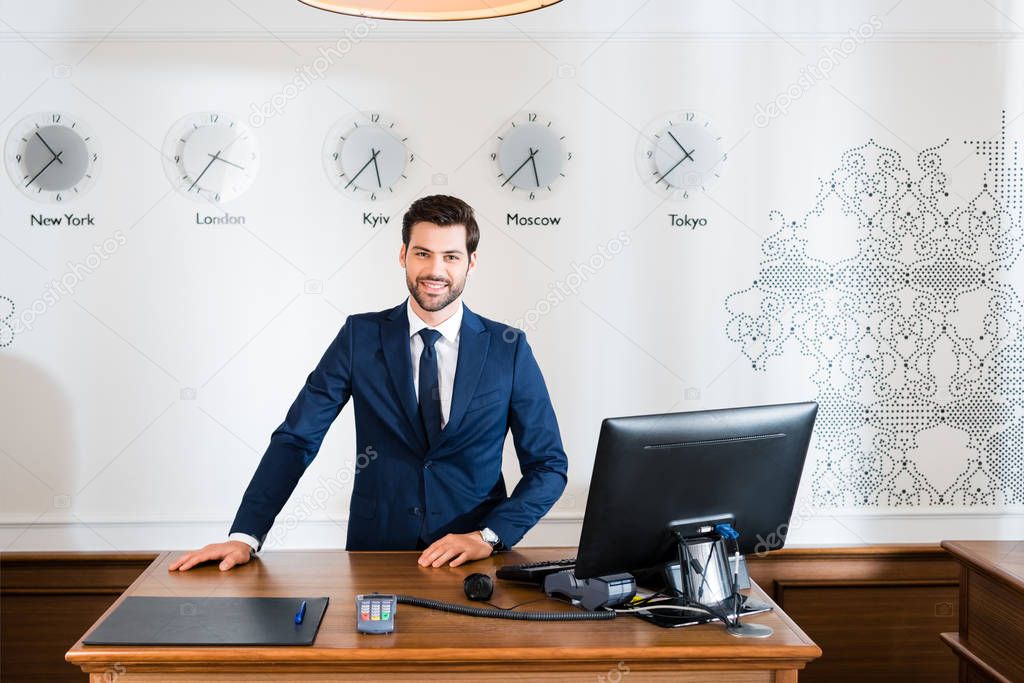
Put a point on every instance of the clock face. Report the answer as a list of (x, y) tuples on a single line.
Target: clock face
[(211, 157), (52, 157), (367, 156), (531, 156), (681, 154)]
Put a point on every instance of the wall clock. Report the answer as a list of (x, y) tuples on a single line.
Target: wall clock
[(52, 156), (366, 156), (681, 153), (531, 156), (211, 156)]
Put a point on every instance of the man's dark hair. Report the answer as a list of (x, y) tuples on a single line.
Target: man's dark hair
[(444, 210)]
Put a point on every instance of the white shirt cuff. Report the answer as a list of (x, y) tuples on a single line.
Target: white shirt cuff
[(245, 538)]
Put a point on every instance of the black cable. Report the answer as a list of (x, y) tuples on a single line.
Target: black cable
[(502, 613), (685, 588), (643, 603), (736, 582), (711, 611), (517, 605), (704, 572)]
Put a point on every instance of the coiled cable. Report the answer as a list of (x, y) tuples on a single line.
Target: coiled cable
[(503, 613)]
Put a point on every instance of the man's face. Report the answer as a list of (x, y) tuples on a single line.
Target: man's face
[(436, 264)]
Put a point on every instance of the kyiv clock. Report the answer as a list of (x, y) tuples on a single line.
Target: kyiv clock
[(211, 157), (681, 153), (52, 156), (366, 156), (531, 156)]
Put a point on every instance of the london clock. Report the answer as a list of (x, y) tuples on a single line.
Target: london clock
[(211, 156)]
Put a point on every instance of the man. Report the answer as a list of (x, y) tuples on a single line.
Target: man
[(436, 388)]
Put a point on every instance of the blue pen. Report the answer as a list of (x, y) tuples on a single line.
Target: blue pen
[(301, 614)]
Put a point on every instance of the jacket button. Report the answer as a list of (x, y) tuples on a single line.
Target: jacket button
[(427, 465), (417, 511)]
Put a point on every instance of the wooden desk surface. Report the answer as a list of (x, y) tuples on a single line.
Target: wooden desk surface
[(1004, 559), (430, 641)]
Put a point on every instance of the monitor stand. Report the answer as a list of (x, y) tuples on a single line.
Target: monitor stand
[(748, 630), (711, 569)]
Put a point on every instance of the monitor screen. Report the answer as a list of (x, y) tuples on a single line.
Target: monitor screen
[(653, 470)]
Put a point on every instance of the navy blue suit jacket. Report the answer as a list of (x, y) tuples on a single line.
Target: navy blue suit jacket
[(403, 489)]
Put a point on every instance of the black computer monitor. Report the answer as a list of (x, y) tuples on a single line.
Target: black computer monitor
[(651, 471)]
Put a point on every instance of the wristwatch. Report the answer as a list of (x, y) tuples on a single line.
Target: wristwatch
[(490, 537)]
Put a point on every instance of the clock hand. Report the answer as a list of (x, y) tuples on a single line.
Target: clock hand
[(686, 155), (676, 141), (55, 158), (229, 163), (517, 170), (534, 164), (48, 147), (665, 174), (375, 166), (215, 157), (363, 168)]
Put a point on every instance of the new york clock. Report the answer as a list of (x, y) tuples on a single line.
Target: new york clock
[(52, 156)]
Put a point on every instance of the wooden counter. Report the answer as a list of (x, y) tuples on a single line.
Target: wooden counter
[(990, 642), (430, 645)]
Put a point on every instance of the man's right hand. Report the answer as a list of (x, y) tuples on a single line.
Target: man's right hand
[(230, 553)]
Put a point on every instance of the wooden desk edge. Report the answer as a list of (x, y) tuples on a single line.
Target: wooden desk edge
[(98, 658), (968, 556), (72, 655), (963, 651)]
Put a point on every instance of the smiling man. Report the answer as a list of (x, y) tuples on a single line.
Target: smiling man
[(436, 389)]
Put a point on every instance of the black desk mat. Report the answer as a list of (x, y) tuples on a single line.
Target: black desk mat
[(140, 620)]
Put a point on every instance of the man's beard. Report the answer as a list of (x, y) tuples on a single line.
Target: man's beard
[(453, 292)]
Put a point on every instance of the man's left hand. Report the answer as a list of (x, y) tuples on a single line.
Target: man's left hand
[(456, 549)]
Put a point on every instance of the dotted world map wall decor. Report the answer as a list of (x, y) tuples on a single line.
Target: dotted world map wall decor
[(920, 330), (6, 321)]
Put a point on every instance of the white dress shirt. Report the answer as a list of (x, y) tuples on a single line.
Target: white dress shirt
[(447, 349)]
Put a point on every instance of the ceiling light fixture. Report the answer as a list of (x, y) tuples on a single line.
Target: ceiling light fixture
[(430, 10)]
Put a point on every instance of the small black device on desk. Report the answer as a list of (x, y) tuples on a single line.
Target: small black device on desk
[(534, 572), (591, 594), (478, 586), (375, 613)]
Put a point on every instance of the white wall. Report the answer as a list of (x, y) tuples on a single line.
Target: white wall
[(98, 447)]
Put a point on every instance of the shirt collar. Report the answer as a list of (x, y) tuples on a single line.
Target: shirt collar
[(449, 329)]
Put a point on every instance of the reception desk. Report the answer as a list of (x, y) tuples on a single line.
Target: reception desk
[(434, 646), (991, 633)]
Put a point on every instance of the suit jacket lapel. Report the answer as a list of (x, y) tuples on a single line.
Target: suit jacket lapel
[(473, 344), (394, 333)]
